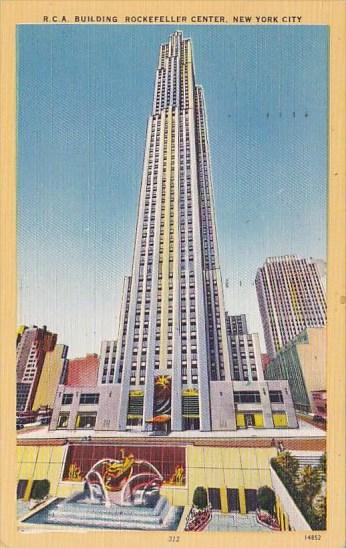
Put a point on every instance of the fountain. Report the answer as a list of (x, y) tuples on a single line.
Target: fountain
[(117, 494)]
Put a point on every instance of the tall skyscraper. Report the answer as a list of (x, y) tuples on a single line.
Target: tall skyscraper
[(291, 297), (170, 368), (173, 319)]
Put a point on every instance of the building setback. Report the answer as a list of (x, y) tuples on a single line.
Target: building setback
[(236, 324), (244, 350), (291, 297)]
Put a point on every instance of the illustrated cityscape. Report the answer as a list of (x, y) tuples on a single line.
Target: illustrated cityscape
[(182, 422)]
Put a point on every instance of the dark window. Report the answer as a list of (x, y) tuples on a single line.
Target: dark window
[(233, 500), (63, 420), (247, 397), (67, 399), (214, 498), (89, 398), (251, 500), (276, 396), (21, 487), (85, 420)]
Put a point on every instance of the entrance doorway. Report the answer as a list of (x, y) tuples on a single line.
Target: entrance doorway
[(190, 423), (249, 420)]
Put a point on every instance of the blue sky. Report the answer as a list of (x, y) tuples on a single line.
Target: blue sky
[(84, 96)]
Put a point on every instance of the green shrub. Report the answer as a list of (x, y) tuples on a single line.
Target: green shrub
[(323, 466), (317, 523), (309, 483), (200, 497), (266, 499), (289, 464), (40, 489)]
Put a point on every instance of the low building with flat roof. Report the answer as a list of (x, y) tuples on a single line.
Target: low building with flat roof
[(303, 363)]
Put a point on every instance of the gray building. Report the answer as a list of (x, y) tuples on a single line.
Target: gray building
[(291, 298)]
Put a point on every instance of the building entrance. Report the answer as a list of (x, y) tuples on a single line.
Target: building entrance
[(249, 420), (191, 423)]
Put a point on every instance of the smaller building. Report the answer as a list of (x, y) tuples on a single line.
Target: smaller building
[(245, 357), (303, 363), (265, 361), (82, 371), (107, 362), (33, 345), (53, 367), (236, 324), (85, 407), (263, 404), (319, 398), (83, 400)]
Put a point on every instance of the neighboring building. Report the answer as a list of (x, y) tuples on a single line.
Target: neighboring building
[(171, 364), (82, 401), (264, 404), (245, 356), (322, 269), (236, 325), (244, 349), (303, 363), (33, 345), (53, 366), (107, 362), (319, 398), (82, 371), (85, 407), (291, 297), (265, 361)]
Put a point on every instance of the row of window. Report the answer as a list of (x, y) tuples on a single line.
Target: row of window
[(254, 396), (84, 399)]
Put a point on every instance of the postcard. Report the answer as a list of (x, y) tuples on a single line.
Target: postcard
[(173, 273)]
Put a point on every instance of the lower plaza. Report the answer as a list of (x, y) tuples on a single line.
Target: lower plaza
[(151, 481)]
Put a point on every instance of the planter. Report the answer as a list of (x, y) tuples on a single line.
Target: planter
[(36, 502), (198, 519), (265, 519)]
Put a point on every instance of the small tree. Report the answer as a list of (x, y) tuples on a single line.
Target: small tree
[(289, 464), (320, 506), (200, 497), (40, 489), (323, 466), (309, 482), (266, 499)]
